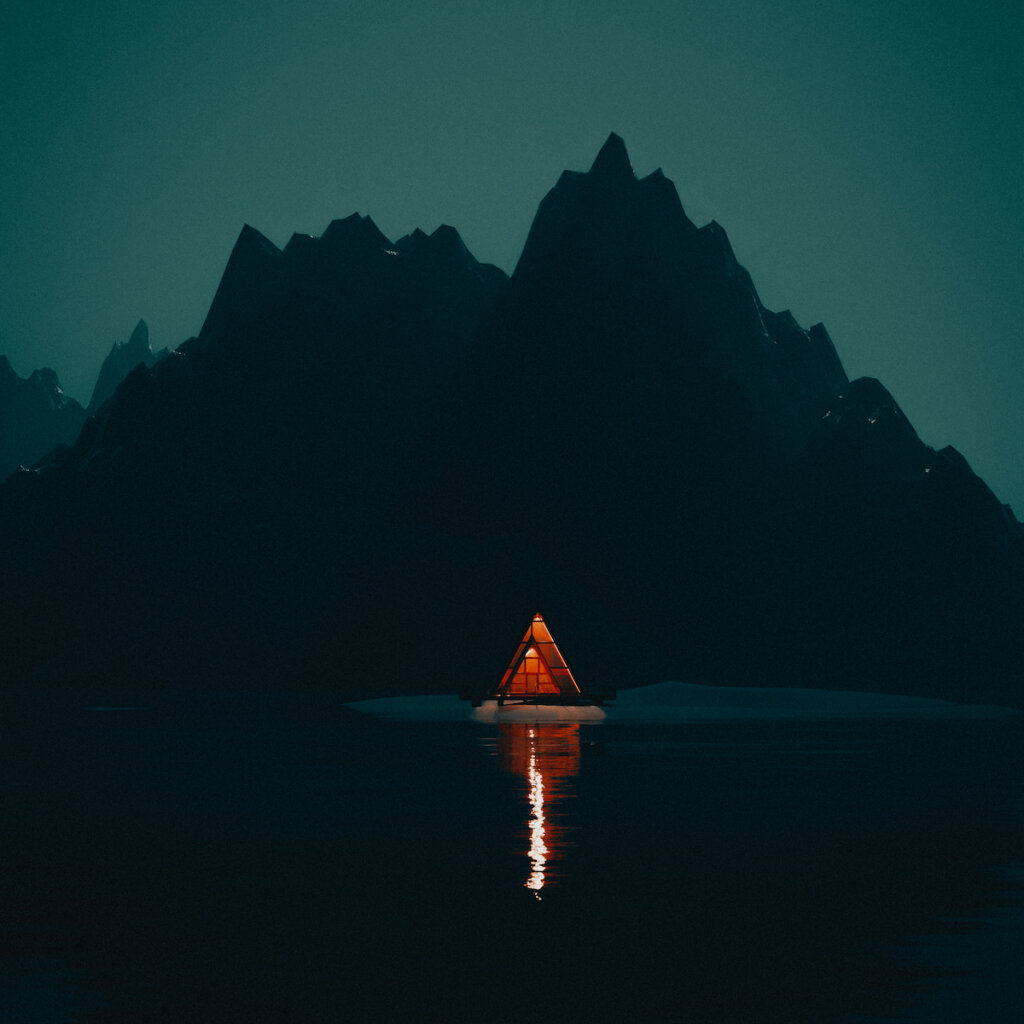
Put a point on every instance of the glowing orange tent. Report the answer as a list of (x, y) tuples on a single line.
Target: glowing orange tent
[(537, 669)]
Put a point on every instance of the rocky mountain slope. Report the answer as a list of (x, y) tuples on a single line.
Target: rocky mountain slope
[(121, 360), (35, 417), (378, 457)]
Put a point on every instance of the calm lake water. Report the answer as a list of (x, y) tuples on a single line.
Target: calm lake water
[(715, 857)]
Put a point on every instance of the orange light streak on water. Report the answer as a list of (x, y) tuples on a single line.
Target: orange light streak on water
[(547, 757), (538, 850)]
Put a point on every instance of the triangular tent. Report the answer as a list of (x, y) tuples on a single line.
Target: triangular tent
[(537, 668)]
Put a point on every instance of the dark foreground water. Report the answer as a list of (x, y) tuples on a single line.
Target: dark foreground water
[(321, 864)]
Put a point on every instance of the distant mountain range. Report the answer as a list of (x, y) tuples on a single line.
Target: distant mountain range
[(379, 458), (35, 414), (35, 417)]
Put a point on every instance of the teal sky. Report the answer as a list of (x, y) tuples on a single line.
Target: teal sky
[(867, 160)]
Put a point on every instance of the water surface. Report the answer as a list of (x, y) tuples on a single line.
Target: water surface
[(763, 863)]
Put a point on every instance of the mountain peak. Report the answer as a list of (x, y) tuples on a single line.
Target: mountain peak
[(255, 241), (448, 238), (140, 336), (612, 162), (124, 356)]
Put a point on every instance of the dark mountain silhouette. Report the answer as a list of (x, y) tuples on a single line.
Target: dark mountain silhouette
[(378, 456), (121, 360), (35, 417)]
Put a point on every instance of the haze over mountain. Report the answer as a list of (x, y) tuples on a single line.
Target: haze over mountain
[(377, 451)]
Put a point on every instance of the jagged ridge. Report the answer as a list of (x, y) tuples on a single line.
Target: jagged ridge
[(370, 441), (35, 417), (121, 360)]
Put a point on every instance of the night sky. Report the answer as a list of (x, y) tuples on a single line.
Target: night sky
[(866, 159)]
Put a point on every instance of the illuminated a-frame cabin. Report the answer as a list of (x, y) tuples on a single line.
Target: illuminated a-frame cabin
[(537, 673)]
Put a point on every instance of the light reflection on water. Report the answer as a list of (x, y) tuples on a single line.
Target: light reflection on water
[(726, 871), (546, 755)]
